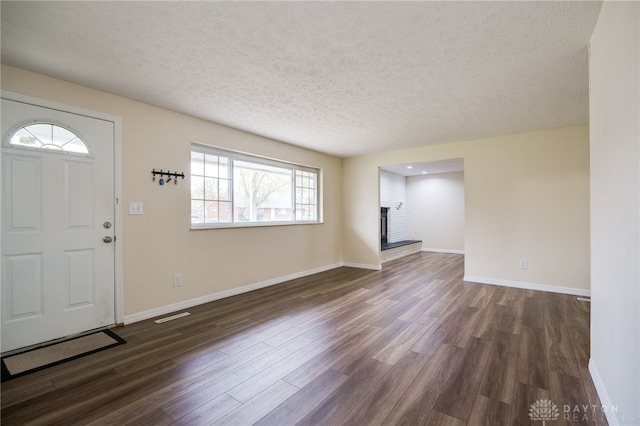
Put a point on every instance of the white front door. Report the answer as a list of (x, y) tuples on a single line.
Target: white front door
[(57, 222)]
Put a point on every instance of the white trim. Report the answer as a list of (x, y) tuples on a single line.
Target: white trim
[(58, 106), (528, 286), (151, 313), (437, 250), (602, 393), (119, 261), (117, 175), (363, 266)]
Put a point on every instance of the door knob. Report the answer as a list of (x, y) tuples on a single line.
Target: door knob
[(107, 239)]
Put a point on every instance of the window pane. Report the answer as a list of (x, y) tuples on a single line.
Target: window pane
[(313, 212), (308, 212), (61, 136), (211, 165), (197, 188), (210, 188), (259, 189), (224, 212), (223, 167), (76, 145), (306, 196), (43, 132), (224, 190), (22, 137), (211, 212), (197, 163), (197, 211)]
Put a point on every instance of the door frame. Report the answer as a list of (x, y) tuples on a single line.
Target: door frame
[(117, 181)]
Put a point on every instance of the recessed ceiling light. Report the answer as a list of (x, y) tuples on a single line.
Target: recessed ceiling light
[(424, 173), (409, 167)]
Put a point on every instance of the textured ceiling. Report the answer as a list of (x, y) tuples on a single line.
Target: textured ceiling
[(345, 78)]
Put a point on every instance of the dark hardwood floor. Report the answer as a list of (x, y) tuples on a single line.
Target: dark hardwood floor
[(412, 344)]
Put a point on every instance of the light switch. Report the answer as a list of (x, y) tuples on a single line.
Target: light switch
[(135, 207)]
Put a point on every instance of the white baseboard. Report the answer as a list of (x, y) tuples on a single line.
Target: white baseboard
[(437, 250), (602, 393), (139, 316), (363, 266), (528, 286)]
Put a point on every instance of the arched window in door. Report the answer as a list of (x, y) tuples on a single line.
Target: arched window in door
[(48, 136)]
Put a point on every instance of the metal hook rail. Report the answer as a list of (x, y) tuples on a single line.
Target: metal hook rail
[(171, 175), (162, 173)]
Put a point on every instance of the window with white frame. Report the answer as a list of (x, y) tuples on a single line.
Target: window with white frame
[(234, 189), (48, 136)]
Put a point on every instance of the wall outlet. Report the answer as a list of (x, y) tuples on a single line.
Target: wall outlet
[(524, 264), (177, 280), (322, 252)]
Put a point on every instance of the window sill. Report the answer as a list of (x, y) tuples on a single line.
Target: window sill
[(250, 225)]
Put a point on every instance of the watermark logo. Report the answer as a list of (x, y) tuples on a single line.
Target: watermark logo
[(544, 410)]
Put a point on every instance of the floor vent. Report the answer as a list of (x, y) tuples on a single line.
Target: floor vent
[(172, 317)]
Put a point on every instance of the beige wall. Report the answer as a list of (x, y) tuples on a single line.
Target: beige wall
[(159, 243), (615, 209), (435, 211), (526, 196)]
